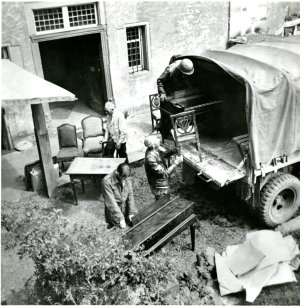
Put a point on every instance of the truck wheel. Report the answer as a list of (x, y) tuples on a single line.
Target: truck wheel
[(279, 199)]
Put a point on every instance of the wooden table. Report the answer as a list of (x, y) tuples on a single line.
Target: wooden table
[(83, 168), (159, 222)]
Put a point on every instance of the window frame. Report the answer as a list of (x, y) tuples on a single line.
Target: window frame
[(66, 20), (143, 30)]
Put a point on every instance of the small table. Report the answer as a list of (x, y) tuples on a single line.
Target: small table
[(83, 168)]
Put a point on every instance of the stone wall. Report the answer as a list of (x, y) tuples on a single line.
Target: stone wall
[(15, 36), (174, 28)]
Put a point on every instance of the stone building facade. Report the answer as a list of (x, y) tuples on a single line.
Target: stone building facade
[(16, 41), (93, 61), (171, 28), (119, 53)]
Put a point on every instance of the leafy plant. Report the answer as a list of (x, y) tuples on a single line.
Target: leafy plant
[(76, 264)]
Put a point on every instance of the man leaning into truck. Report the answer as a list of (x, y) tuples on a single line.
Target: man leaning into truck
[(174, 77)]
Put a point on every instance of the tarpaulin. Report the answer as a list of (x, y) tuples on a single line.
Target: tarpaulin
[(270, 72)]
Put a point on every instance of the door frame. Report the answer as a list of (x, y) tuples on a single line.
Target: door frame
[(103, 49)]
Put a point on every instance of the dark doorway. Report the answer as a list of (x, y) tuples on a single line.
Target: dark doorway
[(75, 64)]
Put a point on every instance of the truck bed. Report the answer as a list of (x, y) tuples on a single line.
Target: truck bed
[(221, 160)]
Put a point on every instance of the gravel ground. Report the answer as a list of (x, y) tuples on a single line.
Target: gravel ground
[(222, 220)]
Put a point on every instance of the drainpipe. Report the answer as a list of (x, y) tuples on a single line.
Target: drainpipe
[(228, 25)]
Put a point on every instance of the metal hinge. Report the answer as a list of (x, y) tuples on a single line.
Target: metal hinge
[(262, 168), (281, 159)]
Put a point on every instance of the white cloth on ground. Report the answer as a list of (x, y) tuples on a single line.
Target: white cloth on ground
[(257, 263)]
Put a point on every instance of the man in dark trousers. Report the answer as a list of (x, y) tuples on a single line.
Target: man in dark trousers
[(174, 78), (118, 197), (116, 132), (157, 171)]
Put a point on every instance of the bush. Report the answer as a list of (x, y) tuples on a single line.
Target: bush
[(88, 265), (76, 264), (17, 216)]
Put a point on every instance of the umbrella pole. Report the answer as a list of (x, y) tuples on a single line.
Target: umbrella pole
[(44, 149)]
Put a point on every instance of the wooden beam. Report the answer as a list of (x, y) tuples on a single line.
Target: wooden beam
[(44, 149), (7, 142), (65, 34), (105, 58)]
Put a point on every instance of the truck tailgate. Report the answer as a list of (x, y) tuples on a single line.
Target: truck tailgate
[(212, 168)]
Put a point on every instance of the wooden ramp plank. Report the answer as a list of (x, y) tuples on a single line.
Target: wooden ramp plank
[(212, 167)]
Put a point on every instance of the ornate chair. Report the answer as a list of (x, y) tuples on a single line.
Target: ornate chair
[(93, 134), (155, 111), (68, 146), (185, 129)]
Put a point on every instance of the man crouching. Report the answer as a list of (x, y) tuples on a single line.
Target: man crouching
[(118, 197)]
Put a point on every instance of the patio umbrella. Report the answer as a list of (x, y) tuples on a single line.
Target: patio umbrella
[(18, 84)]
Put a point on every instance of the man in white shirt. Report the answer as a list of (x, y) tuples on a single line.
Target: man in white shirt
[(116, 132)]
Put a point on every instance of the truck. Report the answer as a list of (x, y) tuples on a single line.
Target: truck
[(239, 123)]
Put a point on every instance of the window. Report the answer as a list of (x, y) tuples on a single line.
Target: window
[(5, 53), (65, 18), (48, 19), (80, 15), (136, 48)]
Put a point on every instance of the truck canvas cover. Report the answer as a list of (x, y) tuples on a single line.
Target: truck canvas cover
[(270, 71)]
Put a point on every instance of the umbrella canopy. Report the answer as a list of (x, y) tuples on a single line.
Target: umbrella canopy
[(19, 84)]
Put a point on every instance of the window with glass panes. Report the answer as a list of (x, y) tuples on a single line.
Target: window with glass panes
[(65, 17), (48, 19), (135, 48), (80, 15)]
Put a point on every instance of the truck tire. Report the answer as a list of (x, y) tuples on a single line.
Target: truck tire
[(279, 199)]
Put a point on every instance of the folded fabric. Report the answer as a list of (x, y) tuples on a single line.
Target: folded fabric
[(244, 258), (264, 259), (228, 283), (255, 280), (267, 242), (283, 274), (292, 246)]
